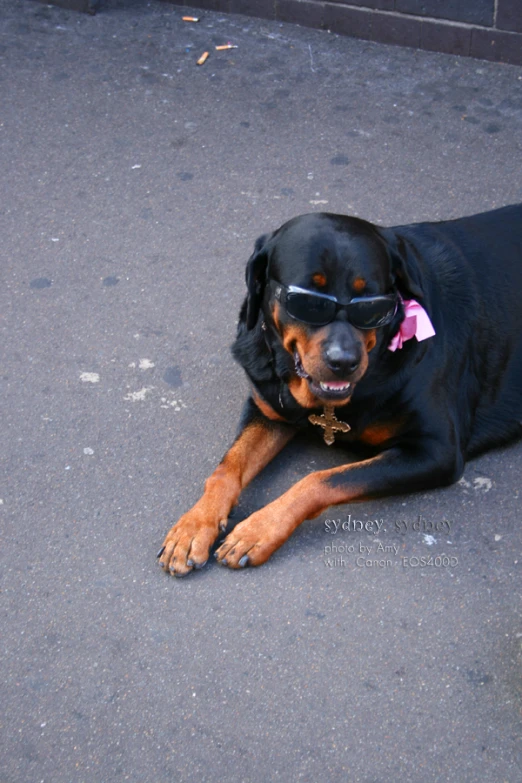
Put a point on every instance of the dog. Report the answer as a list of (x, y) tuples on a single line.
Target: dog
[(404, 343)]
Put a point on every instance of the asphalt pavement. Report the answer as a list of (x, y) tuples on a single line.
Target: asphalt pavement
[(133, 184)]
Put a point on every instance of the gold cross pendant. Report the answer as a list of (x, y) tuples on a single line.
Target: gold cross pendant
[(330, 424)]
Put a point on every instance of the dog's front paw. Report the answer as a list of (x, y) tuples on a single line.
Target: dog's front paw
[(254, 540), (187, 545)]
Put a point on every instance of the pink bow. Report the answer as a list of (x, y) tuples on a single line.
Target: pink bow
[(416, 324)]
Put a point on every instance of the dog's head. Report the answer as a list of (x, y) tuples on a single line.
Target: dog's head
[(326, 288)]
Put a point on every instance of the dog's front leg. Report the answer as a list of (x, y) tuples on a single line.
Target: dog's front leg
[(255, 539), (188, 543)]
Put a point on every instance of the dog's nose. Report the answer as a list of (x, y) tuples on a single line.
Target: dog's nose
[(341, 360)]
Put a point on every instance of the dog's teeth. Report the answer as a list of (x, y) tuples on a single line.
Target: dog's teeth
[(334, 386)]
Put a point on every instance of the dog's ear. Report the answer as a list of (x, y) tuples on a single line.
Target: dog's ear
[(404, 264), (256, 273)]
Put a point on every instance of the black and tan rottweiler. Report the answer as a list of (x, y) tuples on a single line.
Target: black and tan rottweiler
[(404, 343)]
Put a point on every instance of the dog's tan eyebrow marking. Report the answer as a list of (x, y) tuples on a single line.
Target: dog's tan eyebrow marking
[(319, 279), (359, 284)]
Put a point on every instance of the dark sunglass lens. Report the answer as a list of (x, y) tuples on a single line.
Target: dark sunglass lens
[(309, 308), (371, 313)]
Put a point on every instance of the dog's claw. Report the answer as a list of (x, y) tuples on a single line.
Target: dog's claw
[(160, 553), (244, 560)]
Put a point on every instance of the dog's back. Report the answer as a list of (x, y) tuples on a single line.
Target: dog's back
[(474, 269)]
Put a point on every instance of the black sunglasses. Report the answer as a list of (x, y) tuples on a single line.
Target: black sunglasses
[(310, 307)]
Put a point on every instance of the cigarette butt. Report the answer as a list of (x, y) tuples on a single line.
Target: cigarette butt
[(225, 46), (203, 58), (190, 18)]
